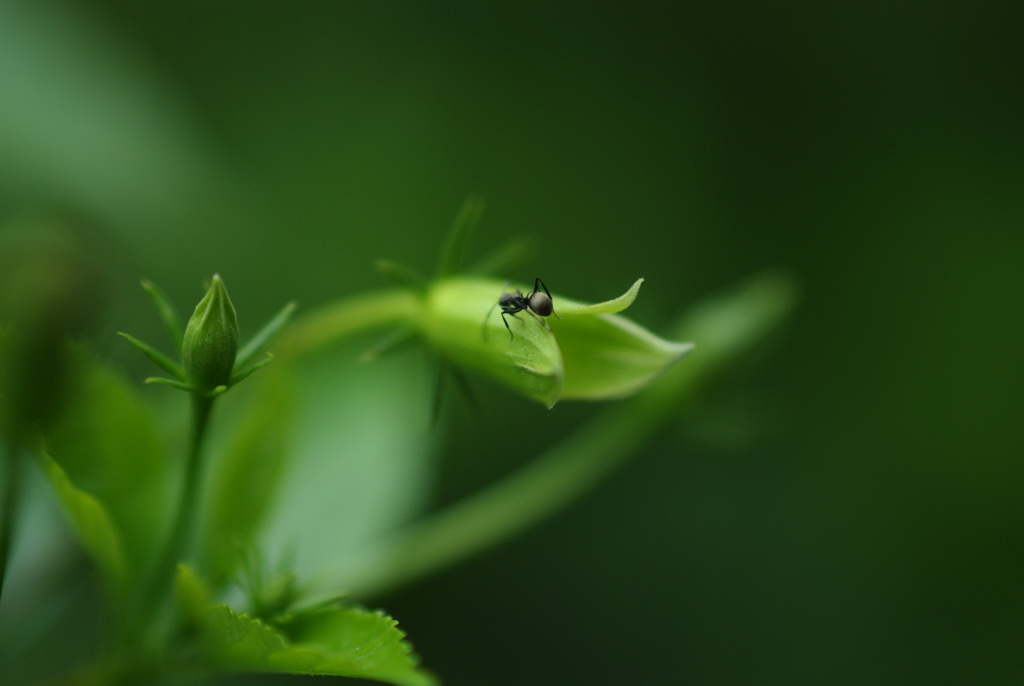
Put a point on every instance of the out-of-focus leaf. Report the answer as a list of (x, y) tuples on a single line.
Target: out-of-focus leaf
[(88, 121), (245, 479), (340, 641), (109, 446), (358, 454), (90, 521)]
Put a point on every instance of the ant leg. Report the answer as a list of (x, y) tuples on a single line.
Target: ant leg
[(537, 282), (510, 336), (483, 329)]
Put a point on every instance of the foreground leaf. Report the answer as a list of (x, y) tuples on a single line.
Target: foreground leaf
[(245, 482), (109, 446), (340, 641), (90, 521)]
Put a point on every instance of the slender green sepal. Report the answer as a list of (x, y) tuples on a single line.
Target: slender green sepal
[(458, 234), (242, 376), (180, 385), (393, 341), (260, 341), (168, 313), (507, 258), (402, 275), (571, 309), (159, 359)]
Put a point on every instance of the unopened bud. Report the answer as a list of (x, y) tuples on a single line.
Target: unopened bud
[(211, 340)]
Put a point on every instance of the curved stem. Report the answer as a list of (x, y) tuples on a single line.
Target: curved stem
[(726, 329), (346, 318)]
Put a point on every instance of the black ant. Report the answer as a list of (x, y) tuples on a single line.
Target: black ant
[(536, 304)]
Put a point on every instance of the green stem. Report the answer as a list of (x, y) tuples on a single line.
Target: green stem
[(177, 542), (158, 593), (348, 317), (8, 508)]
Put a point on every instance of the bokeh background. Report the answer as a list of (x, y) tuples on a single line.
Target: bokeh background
[(847, 509)]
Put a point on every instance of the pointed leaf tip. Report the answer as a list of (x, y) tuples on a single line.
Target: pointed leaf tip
[(573, 308)]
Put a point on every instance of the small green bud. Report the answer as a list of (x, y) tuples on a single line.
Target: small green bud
[(211, 341)]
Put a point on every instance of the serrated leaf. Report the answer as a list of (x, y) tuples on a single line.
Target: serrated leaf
[(90, 521), (339, 641)]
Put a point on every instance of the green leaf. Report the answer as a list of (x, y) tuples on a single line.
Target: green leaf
[(348, 480), (159, 359), (339, 641), (108, 444), (246, 479), (90, 521), (456, 321)]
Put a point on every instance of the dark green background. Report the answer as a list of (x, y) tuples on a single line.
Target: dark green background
[(847, 510)]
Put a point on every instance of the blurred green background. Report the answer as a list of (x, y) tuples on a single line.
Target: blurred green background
[(847, 509)]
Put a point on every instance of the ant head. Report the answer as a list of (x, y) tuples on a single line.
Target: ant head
[(541, 304)]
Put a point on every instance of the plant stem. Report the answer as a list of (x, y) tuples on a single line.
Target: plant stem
[(8, 506), (725, 330), (178, 538), (176, 544)]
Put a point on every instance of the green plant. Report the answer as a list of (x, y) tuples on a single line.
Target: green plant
[(178, 549)]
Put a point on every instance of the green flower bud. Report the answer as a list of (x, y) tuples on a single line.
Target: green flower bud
[(211, 341), (590, 353)]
